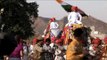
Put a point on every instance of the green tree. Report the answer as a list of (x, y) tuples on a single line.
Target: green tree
[(15, 16)]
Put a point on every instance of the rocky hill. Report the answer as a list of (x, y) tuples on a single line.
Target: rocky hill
[(41, 23)]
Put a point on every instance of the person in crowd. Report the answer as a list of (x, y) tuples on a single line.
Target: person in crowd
[(59, 51), (30, 49), (37, 50), (7, 44), (95, 49), (47, 50), (34, 41), (74, 22), (75, 48), (59, 54), (74, 16), (18, 51), (54, 29), (25, 51), (104, 50)]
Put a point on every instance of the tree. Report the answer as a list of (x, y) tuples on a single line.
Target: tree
[(15, 16)]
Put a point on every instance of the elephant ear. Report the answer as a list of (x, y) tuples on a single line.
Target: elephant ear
[(7, 43)]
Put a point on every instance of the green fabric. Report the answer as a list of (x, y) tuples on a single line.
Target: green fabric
[(67, 7)]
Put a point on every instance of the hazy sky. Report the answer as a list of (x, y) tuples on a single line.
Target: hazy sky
[(95, 8)]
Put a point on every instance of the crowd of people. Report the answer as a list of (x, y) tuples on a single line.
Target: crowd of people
[(40, 49), (56, 44)]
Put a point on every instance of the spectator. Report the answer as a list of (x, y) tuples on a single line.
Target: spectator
[(17, 53), (75, 48)]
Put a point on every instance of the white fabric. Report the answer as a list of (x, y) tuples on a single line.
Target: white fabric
[(74, 17), (31, 49), (91, 50), (58, 55), (47, 48), (54, 28), (57, 51), (25, 50), (54, 25), (52, 45), (55, 32)]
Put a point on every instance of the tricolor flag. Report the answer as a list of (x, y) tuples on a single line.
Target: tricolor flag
[(67, 7)]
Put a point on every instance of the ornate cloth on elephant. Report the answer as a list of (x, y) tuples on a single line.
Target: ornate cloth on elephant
[(75, 26), (96, 41)]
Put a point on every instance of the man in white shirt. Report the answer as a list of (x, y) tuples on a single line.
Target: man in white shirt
[(74, 17), (54, 27)]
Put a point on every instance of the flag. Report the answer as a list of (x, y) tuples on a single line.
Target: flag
[(67, 7)]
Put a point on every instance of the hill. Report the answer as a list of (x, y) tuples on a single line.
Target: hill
[(41, 23)]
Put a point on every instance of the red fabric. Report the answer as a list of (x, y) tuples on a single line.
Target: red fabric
[(52, 19), (53, 39), (46, 36), (74, 8), (64, 32), (96, 41), (16, 52), (44, 40), (58, 41), (48, 27), (63, 36), (105, 40), (34, 41)]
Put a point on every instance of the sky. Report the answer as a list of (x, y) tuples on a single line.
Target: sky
[(50, 8)]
